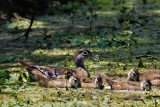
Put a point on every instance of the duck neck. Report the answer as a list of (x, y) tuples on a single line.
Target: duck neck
[(79, 61)]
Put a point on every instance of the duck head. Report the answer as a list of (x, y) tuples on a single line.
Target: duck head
[(146, 85), (75, 82), (99, 82), (133, 75), (79, 57)]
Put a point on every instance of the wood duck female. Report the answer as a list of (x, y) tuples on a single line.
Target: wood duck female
[(55, 72), (79, 57), (123, 84), (70, 82), (152, 75)]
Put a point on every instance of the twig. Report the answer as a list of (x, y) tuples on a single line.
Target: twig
[(66, 74), (28, 30), (119, 41)]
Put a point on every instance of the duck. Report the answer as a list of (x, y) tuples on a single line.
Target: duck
[(79, 57), (131, 85), (57, 72), (152, 75), (133, 75), (95, 83), (123, 84), (70, 81)]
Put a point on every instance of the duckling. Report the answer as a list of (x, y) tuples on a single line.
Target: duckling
[(87, 82), (133, 75), (130, 85), (124, 84), (56, 72), (152, 75), (91, 82)]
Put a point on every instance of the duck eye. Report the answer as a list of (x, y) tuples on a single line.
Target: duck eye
[(75, 79), (135, 75), (85, 53)]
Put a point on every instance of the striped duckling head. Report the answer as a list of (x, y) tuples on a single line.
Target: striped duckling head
[(133, 75)]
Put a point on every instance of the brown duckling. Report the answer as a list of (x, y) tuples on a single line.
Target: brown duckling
[(130, 85), (152, 75), (91, 82), (87, 82), (133, 75), (56, 72)]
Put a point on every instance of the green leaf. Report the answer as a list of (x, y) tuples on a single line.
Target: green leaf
[(14, 78), (2, 81), (4, 74)]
